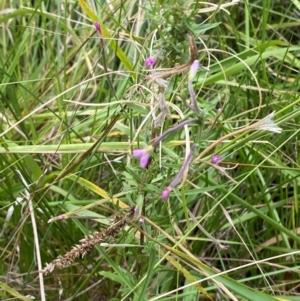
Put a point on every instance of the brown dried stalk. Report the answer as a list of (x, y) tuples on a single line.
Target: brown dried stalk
[(181, 68), (87, 243)]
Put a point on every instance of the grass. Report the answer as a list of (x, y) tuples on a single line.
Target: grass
[(76, 103)]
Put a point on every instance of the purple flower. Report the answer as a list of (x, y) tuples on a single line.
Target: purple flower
[(215, 159), (98, 27), (193, 70), (165, 193), (149, 61), (144, 154)]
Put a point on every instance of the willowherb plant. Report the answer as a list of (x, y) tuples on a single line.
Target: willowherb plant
[(193, 112), (266, 123)]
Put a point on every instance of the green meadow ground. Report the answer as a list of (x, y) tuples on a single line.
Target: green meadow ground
[(75, 104)]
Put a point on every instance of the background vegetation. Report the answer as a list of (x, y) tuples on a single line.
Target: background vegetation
[(75, 103)]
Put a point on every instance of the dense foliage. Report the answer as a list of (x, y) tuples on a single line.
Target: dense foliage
[(149, 150)]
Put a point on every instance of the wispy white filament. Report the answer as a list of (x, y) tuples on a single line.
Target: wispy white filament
[(267, 124)]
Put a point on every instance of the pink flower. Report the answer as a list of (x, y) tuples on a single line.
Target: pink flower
[(98, 27), (215, 159), (149, 61), (165, 193), (144, 154), (62, 217)]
